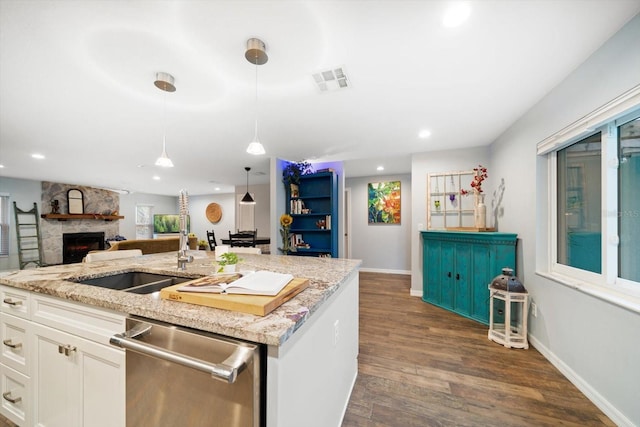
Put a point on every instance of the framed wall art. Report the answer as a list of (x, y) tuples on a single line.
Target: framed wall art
[(384, 202)]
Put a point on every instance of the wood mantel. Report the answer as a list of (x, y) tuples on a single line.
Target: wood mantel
[(64, 217)]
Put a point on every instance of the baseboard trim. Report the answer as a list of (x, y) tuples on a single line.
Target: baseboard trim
[(592, 394), (385, 271), (416, 293), (346, 405)]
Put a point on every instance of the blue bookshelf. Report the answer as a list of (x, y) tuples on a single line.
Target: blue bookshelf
[(312, 201)]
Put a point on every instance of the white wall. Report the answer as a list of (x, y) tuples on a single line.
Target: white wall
[(381, 247), (261, 194), (24, 192), (199, 222), (595, 343), (128, 202), (437, 162)]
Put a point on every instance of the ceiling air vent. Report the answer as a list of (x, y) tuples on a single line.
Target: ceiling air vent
[(332, 80)]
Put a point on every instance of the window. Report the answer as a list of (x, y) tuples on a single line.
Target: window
[(594, 221), (579, 204), (628, 200), (4, 224), (144, 221)]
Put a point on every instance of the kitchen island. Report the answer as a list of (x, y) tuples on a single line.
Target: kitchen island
[(311, 340)]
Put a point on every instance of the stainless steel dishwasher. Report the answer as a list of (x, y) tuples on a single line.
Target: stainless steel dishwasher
[(181, 377)]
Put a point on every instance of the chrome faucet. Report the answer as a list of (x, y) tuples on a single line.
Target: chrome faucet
[(183, 257)]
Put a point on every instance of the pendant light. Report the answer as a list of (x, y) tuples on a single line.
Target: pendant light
[(256, 54), (164, 81), (247, 199)]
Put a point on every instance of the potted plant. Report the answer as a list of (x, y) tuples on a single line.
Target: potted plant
[(228, 262), (202, 245), (293, 171)]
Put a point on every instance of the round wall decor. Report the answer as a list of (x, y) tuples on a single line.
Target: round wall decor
[(214, 212)]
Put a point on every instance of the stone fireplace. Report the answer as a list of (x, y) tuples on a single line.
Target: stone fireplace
[(96, 201)]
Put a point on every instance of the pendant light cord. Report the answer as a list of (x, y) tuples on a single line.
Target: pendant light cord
[(256, 103)]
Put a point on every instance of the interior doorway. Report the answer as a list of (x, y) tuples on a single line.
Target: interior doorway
[(347, 223)]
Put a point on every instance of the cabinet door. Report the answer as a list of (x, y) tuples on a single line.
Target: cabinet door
[(462, 279), (448, 254), (481, 279), (433, 275), (56, 384), (76, 382)]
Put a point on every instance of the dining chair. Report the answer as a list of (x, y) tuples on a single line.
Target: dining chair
[(211, 238), (243, 239)]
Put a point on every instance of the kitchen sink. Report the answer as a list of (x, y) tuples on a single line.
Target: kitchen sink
[(135, 282)]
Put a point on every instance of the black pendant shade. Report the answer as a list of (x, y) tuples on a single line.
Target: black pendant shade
[(247, 199)]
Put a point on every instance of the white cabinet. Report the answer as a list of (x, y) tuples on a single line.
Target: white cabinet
[(76, 382), (56, 366)]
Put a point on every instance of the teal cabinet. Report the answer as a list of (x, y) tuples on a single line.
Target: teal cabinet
[(458, 267), (313, 205)]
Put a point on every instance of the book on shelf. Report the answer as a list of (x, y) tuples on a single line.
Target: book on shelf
[(295, 190), (328, 222), (265, 283)]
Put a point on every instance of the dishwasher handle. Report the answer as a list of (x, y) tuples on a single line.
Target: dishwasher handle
[(226, 371)]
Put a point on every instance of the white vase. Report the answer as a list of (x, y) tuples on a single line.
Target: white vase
[(229, 268), (480, 212)]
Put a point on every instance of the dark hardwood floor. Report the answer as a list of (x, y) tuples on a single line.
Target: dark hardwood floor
[(420, 365), (423, 366)]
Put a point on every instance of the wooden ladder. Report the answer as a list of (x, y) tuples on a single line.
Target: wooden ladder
[(28, 233)]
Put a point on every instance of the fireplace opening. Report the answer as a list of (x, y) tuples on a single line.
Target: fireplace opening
[(76, 245)]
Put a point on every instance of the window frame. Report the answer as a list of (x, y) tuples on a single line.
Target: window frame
[(606, 120)]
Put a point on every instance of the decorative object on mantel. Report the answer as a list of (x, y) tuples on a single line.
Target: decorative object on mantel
[(214, 212), (285, 221), (55, 206), (75, 201)]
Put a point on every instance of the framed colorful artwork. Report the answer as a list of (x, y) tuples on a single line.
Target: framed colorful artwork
[(384, 202)]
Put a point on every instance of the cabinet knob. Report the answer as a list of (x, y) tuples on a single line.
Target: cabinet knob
[(449, 274), (457, 276), (7, 396), (10, 343)]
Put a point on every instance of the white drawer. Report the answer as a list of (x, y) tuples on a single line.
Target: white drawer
[(14, 350), (14, 401), (92, 323), (15, 301)]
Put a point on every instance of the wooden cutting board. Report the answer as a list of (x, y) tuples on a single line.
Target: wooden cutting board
[(253, 304)]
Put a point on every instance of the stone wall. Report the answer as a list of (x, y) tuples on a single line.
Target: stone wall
[(95, 201)]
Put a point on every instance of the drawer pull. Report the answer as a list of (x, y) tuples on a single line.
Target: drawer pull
[(66, 349), (7, 396), (9, 343), (11, 302)]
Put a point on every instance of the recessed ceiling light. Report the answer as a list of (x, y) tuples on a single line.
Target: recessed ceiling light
[(456, 14), (424, 133), (37, 156), (380, 168), (217, 188), (156, 177), (1, 166)]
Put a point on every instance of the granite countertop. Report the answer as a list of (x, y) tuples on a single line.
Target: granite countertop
[(325, 274)]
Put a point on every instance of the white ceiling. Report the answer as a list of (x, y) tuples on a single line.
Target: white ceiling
[(76, 83)]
